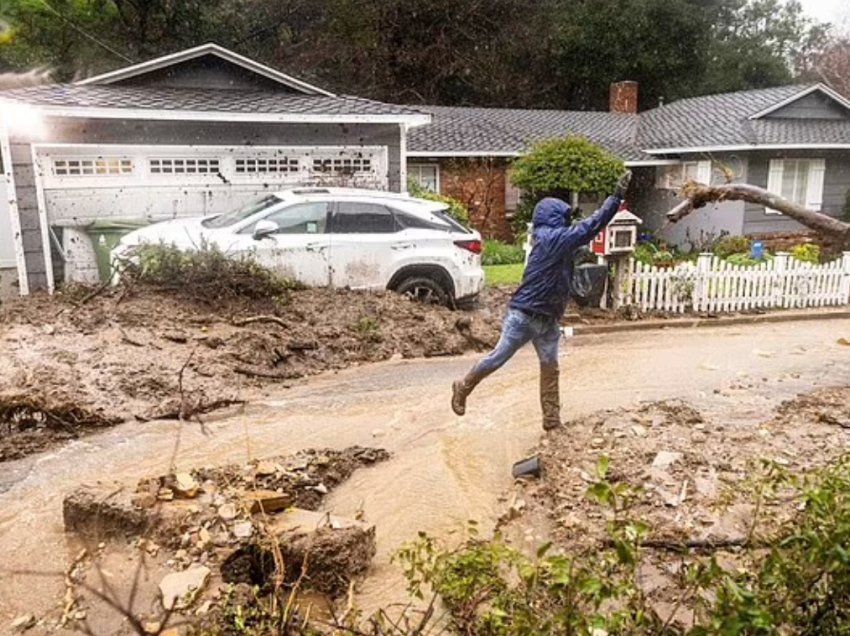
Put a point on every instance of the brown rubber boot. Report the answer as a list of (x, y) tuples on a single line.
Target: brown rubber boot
[(550, 397), (462, 388)]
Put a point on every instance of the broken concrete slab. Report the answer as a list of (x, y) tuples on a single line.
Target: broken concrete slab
[(179, 589), (104, 510), (665, 459), (335, 550), (267, 501)]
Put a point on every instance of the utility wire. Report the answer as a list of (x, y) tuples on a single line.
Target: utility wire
[(82, 32)]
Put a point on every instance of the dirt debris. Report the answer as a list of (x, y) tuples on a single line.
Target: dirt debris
[(692, 475), (121, 354)]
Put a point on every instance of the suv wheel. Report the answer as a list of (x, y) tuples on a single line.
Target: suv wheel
[(423, 290)]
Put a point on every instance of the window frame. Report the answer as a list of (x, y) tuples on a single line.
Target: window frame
[(417, 166), (815, 180)]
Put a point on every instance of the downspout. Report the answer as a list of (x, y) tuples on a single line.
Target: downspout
[(402, 158), (18, 236)]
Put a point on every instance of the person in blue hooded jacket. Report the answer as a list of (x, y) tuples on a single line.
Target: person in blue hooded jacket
[(537, 306)]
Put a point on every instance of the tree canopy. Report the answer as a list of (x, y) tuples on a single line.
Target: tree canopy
[(547, 53)]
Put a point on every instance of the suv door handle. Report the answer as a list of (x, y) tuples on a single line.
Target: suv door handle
[(402, 246), (315, 247)]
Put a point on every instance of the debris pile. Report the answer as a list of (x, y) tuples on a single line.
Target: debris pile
[(212, 528)]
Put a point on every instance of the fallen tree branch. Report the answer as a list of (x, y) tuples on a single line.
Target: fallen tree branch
[(272, 374), (697, 195)]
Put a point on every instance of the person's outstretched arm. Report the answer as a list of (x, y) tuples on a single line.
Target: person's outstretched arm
[(583, 232)]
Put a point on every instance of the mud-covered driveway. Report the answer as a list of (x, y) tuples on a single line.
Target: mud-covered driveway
[(444, 470)]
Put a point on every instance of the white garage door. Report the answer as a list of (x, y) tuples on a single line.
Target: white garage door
[(82, 183)]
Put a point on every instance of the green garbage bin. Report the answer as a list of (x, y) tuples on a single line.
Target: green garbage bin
[(105, 235)]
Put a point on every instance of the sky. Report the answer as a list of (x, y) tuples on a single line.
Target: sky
[(835, 11)]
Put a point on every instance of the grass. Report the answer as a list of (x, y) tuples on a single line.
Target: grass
[(503, 274)]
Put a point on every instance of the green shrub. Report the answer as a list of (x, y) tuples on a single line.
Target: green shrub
[(457, 210), (725, 246), (499, 253), (806, 252), (206, 274)]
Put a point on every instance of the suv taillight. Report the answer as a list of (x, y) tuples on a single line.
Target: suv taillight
[(472, 246)]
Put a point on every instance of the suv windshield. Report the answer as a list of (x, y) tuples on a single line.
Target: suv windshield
[(229, 218)]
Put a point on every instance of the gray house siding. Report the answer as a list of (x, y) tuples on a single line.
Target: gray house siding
[(812, 106), (835, 189), (205, 73), (129, 132)]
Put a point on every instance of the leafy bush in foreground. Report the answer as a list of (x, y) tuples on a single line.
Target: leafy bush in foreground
[(206, 274)]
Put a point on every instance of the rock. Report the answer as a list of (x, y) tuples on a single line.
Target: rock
[(321, 489), (204, 538), (665, 459), (266, 501), (23, 623), (178, 589), (243, 529), (175, 336), (152, 627), (49, 330), (227, 512), (100, 512), (264, 469), (165, 494), (143, 500), (185, 486), (698, 437), (638, 430)]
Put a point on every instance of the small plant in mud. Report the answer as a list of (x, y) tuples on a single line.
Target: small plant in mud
[(491, 588), (368, 329), (206, 274)]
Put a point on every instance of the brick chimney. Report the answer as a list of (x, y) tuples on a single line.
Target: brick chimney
[(623, 97)]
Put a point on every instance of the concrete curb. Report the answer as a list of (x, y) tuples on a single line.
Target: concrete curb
[(695, 323)]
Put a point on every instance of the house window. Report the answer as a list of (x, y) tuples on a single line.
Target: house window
[(263, 165), (425, 175), (184, 166), (102, 166), (675, 176), (798, 180), (343, 165)]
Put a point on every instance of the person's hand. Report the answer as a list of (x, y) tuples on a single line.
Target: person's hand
[(623, 184)]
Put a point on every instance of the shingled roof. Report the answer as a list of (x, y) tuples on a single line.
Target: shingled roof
[(740, 120), (508, 132), (200, 100)]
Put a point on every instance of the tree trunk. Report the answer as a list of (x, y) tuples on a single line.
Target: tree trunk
[(698, 195)]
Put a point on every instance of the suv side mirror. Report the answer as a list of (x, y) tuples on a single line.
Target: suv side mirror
[(264, 228)]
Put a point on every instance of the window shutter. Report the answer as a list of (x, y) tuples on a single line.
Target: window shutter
[(814, 191), (704, 172), (774, 181)]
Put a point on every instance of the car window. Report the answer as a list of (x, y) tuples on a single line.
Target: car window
[(356, 217), (229, 218), (301, 218), (409, 221)]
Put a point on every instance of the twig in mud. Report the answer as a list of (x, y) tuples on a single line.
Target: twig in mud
[(126, 338), (704, 545), (184, 408), (264, 318), (255, 372)]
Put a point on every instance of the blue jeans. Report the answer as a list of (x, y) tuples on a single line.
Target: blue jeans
[(518, 329)]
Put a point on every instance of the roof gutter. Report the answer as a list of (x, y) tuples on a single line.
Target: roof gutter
[(483, 154), (411, 119), (744, 147)]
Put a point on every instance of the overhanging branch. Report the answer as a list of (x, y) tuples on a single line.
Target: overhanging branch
[(697, 195)]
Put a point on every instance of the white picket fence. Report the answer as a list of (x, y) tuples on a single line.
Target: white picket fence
[(714, 285)]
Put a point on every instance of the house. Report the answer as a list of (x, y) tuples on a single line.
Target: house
[(196, 132), (793, 140)]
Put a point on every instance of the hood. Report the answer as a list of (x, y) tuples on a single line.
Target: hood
[(551, 212)]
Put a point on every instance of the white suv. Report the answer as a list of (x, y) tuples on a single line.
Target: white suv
[(340, 237)]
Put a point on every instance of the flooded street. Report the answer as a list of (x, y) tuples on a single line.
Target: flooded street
[(444, 470)]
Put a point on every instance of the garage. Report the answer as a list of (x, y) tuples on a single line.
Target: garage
[(196, 133)]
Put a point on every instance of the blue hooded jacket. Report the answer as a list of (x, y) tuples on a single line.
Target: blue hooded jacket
[(545, 286)]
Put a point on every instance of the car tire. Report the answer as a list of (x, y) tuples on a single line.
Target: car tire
[(424, 290)]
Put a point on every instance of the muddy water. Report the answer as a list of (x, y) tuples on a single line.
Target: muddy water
[(445, 470)]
